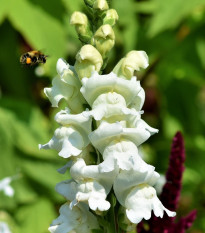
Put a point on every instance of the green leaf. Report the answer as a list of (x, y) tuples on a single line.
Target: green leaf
[(170, 14), (72, 6), (200, 46), (45, 176), (30, 130), (36, 217), (39, 28), (3, 9), (128, 23)]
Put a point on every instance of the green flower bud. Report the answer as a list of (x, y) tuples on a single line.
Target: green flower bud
[(104, 39), (89, 2), (134, 60), (82, 26), (101, 5), (111, 17), (124, 222), (88, 60)]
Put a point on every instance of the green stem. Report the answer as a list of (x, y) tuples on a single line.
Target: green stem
[(112, 215)]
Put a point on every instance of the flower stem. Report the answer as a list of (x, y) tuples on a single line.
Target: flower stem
[(112, 215)]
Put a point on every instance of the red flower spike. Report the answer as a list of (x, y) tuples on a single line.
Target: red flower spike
[(186, 222)]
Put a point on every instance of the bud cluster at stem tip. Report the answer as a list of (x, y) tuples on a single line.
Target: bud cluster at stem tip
[(96, 30)]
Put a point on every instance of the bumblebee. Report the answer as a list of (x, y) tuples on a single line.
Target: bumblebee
[(33, 58)]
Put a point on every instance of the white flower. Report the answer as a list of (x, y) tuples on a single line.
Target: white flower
[(6, 187), (81, 122), (141, 201), (100, 5), (106, 133), (134, 60), (100, 84), (90, 186), (134, 191), (138, 101), (86, 154), (88, 60), (70, 140), (104, 39), (160, 184), (4, 228), (80, 172), (66, 87), (90, 192), (108, 105), (78, 220), (121, 154)]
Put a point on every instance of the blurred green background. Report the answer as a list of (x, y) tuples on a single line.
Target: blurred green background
[(173, 35)]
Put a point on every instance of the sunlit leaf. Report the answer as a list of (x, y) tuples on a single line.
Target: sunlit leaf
[(169, 14), (128, 23), (39, 28), (36, 217)]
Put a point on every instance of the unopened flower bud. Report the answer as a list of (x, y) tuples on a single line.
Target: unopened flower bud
[(104, 39), (89, 2), (88, 60), (134, 60), (111, 17), (82, 26), (101, 5)]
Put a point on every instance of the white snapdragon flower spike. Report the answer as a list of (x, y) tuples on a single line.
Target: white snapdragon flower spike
[(99, 84), (134, 191), (66, 87), (72, 137), (6, 187), (78, 220), (106, 133), (116, 101)]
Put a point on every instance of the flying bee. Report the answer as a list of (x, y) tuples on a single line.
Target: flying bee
[(33, 58)]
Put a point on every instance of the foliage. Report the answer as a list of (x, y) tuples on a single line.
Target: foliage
[(171, 32)]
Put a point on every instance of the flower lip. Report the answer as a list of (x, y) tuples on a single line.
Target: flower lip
[(61, 66), (99, 84)]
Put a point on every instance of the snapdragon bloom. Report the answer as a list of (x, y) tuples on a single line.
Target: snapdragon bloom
[(112, 126)]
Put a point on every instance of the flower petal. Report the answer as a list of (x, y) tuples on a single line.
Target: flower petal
[(99, 84), (68, 141), (108, 105), (127, 180), (106, 133), (81, 122), (141, 201), (78, 219), (123, 154), (66, 87)]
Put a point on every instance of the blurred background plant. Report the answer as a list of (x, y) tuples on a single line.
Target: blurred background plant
[(171, 32)]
